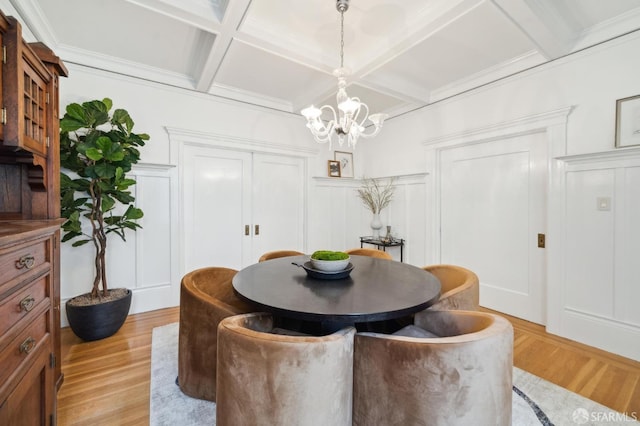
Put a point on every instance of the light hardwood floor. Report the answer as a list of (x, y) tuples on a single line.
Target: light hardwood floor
[(107, 382)]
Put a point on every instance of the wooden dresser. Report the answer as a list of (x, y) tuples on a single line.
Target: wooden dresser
[(30, 371)]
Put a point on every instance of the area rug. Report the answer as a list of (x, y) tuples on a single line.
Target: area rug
[(535, 401)]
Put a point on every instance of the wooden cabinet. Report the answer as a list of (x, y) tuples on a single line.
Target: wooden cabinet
[(29, 157), (26, 102), (29, 229), (29, 251)]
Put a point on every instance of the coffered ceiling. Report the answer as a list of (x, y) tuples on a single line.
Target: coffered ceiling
[(280, 53)]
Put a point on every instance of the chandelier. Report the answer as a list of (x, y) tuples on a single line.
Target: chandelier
[(347, 124)]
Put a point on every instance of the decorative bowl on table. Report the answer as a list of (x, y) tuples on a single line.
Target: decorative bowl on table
[(329, 261)]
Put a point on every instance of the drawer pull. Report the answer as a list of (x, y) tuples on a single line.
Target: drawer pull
[(27, 303), (26, 261), (28, 345)]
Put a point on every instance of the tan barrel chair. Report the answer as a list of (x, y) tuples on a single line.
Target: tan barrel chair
[(369, 252), (460, 288), (462, 377), (206, 297), (275, 379), (279, 253)]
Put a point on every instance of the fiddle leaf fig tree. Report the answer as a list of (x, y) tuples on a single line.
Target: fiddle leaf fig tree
[(98, 149)]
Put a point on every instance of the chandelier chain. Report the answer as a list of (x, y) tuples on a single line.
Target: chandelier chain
[(341, 38)]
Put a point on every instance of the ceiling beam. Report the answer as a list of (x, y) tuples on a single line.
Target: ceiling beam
[(192, 16), (543, 23), (236, 10)]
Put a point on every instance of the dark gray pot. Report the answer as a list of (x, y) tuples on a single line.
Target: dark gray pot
[(96, 322)]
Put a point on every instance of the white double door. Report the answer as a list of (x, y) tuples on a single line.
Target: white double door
[(493, 205), (238, 205)]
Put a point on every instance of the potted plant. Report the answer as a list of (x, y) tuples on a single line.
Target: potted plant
[(376, 197), (98, 149)]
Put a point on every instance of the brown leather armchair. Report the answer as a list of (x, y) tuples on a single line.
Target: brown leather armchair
[(206, 297), (279, 253), (277, 379), (369, 252), (460, 288), (462, 377)]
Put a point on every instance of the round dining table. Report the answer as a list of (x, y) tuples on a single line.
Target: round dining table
[(374, 290)]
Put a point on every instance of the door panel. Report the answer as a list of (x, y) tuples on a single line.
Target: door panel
[(217, 205), (278, 200), (492, 208)]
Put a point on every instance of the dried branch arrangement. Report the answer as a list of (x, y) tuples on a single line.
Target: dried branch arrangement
[(376, 196)]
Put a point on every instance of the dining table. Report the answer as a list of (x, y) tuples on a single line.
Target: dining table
[(374, 290)]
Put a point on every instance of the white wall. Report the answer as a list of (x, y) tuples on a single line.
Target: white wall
[(590, 279)]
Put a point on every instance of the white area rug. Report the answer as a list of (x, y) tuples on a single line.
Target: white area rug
[(535, 401)]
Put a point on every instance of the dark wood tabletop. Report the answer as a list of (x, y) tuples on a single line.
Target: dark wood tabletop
[(376, 290)]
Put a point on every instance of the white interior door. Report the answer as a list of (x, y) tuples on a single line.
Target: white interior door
[(493, 203), (278, 203), (238, 205), (217, 206)]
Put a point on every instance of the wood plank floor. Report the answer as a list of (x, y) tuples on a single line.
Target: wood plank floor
[(107, 382)]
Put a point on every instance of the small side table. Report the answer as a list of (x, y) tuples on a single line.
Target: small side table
[(396, 242)]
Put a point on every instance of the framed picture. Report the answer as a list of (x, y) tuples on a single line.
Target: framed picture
[(346, 163), (628, 121), (334, 168)]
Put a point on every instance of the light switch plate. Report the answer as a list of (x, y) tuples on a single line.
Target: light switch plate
[(603, 203)]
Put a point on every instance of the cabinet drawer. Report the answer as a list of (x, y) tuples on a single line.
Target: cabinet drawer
[(16, 307), (26, 342), (22, 259)]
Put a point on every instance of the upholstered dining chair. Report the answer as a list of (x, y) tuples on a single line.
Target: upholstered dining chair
[(206, 297), (460, 375), (278, 379), (278, 253), (369, 252), (460, 288)]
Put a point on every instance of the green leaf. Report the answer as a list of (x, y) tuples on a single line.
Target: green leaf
[(124, 197), (110, 151), (68, 124), (105, 170), (133, 213), (80, 243), (76, 112), (107, 203), (122, 118), (108, 103), (93, 154)]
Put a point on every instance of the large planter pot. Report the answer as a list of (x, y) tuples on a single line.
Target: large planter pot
[(95, 322)]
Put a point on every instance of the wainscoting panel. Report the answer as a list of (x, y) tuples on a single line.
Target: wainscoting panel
[(407, 216), (338, 218), (146, 262), (590, 228), (598, 282)]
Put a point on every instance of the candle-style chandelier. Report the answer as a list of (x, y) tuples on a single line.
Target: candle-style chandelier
[(348, 122)]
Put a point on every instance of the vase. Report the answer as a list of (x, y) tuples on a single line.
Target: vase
[(376, 224)]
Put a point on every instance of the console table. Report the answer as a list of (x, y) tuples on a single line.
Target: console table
[(378, 242)]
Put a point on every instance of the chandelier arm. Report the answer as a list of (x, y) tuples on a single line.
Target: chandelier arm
[(376, 130), (333, 112), (366, 112)]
